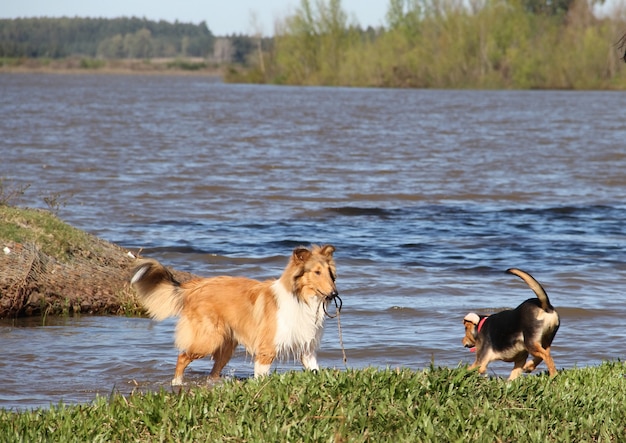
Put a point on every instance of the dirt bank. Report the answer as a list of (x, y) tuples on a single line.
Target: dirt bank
[(50, 268), (76, 65)]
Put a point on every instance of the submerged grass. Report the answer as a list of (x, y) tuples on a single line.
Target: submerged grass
[(438, 404)]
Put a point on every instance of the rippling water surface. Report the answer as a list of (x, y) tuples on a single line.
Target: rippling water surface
[(427, 195)]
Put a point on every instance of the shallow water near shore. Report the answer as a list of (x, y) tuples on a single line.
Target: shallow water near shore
[(428, 196)]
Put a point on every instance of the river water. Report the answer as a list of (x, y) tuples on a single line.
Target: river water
[(428, 196)]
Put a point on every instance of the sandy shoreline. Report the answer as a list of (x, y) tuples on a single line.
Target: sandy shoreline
[(161, 66)]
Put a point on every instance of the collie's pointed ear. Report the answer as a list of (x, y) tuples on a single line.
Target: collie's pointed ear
[(301, 254), (327, 250)]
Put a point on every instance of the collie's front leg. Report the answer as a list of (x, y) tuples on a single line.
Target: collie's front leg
[(262, 365), (309, 361)]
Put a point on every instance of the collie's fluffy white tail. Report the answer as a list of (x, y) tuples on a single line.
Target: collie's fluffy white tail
[(158, 290)]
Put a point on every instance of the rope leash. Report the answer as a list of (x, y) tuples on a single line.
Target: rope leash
[(338, 306)]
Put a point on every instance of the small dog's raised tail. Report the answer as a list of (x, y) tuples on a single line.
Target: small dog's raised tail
[(159, 292), (535, 286)]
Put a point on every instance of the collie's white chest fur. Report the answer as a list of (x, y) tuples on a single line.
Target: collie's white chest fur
[(299, 326)]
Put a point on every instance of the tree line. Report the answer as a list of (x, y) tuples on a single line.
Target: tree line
[(447, 43), (518, 44), (106, 38)]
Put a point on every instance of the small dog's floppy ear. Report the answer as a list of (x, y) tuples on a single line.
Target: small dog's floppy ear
[(301, 254), (472, 318)]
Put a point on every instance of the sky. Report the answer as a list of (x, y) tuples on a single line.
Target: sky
[(223, 17)]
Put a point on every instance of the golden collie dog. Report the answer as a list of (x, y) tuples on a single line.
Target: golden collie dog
[(271, 319)]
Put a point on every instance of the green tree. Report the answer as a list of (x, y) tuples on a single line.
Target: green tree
[(404, 16), (311, 44), (112, 47), (548, 7), (61, 37), (142, 44)]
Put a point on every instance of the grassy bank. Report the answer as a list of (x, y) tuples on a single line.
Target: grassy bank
[(51, 268), (54, 237), (438, 404)]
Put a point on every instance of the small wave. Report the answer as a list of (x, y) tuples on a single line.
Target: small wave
[(406, 312), (179, 249), (355, 211), (176, 223), (569, 210)]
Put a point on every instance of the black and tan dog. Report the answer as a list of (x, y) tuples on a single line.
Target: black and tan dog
[(512, 334)]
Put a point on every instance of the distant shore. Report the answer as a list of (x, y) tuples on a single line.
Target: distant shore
[(86, 65)]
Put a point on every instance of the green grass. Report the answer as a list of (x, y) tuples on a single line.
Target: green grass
[(439, 405), (55, 237), (92, 63)]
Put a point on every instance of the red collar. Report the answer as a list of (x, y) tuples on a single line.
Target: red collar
[(480, 326)]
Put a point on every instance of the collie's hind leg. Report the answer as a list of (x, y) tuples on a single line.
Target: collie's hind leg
[(221, 357), (183, 361), (198, 338)]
